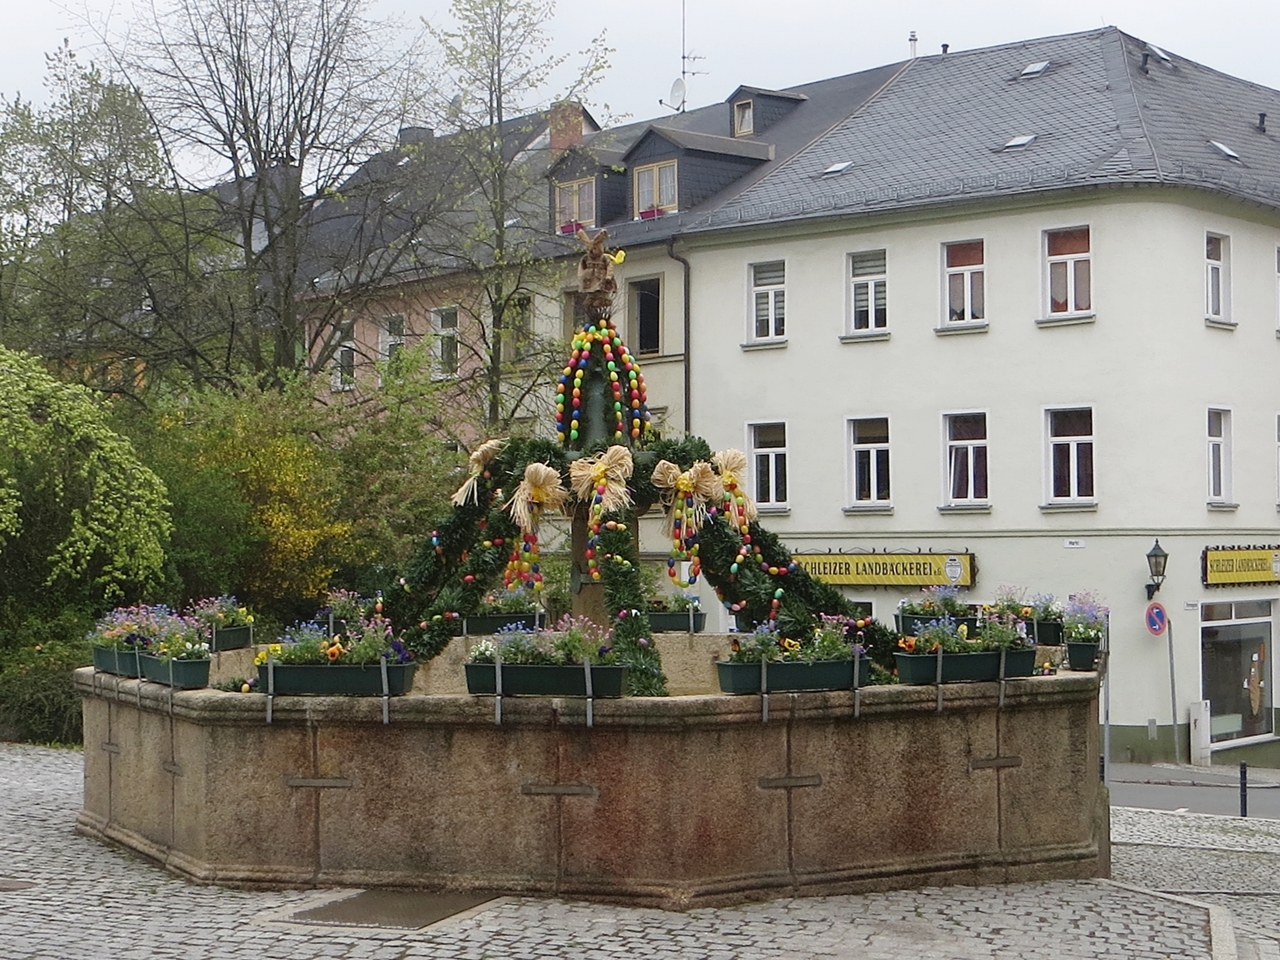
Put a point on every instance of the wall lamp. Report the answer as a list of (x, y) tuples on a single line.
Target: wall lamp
[(1156, 560)]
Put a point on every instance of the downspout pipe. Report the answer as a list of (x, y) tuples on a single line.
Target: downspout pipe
[(688, 329)]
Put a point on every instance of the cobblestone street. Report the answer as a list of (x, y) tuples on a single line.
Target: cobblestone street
[(88, 901)]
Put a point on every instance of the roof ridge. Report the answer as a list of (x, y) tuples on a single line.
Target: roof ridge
[(1117, 39), (1092, 31)]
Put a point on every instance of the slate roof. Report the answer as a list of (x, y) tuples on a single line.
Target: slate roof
[(935, 133)]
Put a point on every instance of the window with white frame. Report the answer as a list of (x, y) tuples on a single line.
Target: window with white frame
[(1219, 460), (575, 205), (445, 323), (869, 446), (1278, 460), (869, 294), (392, 336), (655, 188), (966, 293), (769, 300), (769, 463), (1217, 277), (743, 118), (645, 329), (343, 376), (1070, 271), (966, 458), (1071, 454)]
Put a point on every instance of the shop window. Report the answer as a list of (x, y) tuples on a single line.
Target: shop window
[(1235, 658)]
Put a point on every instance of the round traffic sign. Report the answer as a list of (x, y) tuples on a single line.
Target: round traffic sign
[(1157, 619)]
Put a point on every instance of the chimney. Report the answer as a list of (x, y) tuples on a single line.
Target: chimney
[(565, 123), (1262, 122), (945, 47), (912, 40)]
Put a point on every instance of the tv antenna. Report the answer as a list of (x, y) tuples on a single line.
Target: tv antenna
[(680, 88)]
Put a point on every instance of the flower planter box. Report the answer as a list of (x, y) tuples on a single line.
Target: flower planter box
[(122, 663), (1081, 656), (818, 675), (179, 674), (917, 668), (484, 624), (910, 624), (1047, 633), (545, 680), (671, 621), (337, 679), (650, 214), (231, 638), (570, 228)]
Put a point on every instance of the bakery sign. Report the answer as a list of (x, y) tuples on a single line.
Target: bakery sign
[(1226, 566), (889, 569)]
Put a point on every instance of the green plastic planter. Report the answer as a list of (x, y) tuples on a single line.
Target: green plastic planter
[(185, 675), (918, 668), (122, 663), (783, 676), (1081, 656), (910, 624), (231, 638), (485, 624), (545, 680), (1047, 633), (670, 621), (337, 679)]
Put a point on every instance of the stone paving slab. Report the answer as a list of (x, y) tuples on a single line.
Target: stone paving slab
[(93, 902)]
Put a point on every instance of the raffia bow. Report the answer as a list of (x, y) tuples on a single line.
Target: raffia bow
[(480, 458), (609, 470), (738, 503), (699, 483), (539, 490)]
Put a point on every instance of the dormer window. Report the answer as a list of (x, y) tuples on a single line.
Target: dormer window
[(743, 119), (655, 189), (575, 205)]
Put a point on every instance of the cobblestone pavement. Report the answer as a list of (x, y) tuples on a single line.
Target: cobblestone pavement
[(1227, 861), (93, 902)]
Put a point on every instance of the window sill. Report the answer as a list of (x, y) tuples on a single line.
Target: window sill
[(1219, 506), (1215, 324), (861, 509), (773, 509), (1067, 320), (965, 508), (952, 329), (342, 387), (863, 336), (659, 358), (778, 344), (1074, 506)]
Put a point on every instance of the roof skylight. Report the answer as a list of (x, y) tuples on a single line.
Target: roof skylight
[(840, 167), (1223, 149), (1160, 54), (1034, 69), (1021, 141)]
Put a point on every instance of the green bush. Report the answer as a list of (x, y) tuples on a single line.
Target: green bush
[(37, 700)]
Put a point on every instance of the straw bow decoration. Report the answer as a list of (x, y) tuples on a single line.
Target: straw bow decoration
[(601, 481), (687, 495), (540, 490), (738, 506), (480, 458)]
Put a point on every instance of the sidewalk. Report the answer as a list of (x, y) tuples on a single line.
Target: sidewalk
[(1182, 774), (1179, 879)]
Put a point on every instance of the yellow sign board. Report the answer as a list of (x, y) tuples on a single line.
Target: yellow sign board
[(1252, 565), (889, 569)]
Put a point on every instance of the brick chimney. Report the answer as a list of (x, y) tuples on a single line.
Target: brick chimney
[(565, 123)]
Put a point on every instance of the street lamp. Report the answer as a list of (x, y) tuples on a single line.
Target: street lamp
[(1156, 560)]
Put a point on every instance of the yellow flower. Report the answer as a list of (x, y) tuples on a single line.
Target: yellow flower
[(963, 630), (260, 659), (792, 645), (275, 648)]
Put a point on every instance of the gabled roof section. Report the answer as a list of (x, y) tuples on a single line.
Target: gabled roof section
[(1102, 113), (706, 143), (744, 91)]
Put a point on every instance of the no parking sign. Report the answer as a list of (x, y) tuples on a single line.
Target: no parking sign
[(1157, 620)]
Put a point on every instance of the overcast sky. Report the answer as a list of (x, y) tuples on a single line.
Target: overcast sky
[(767, 43)]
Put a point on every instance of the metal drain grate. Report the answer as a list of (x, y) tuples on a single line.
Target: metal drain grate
[(392, 908), (10, 886)]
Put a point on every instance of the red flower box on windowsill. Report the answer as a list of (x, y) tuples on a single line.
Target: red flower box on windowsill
[(570, 228), (651, 214)]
